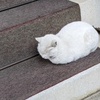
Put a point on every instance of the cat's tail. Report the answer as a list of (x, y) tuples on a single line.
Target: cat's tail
[(99, 41)]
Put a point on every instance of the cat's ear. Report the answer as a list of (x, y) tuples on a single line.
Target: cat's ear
[(54, 43), (38, 39)]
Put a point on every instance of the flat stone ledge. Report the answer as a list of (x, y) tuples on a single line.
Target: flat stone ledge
[(36, 74), (6, 4), (95, 96), (31, 11), (19, 42)]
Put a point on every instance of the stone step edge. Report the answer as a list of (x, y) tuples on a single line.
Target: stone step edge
[(75, 88), (17, 5), (34, 19)]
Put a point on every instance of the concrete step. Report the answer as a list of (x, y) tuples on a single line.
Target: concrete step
[(76, 87), (23, 73), (95, 96), (28, 12), (19, 28), (26, 79), (8, 4)]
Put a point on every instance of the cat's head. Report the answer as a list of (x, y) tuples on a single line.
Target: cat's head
[(48, 46)]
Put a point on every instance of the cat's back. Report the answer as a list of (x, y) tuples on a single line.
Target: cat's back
[(78, 34), (75, 28)]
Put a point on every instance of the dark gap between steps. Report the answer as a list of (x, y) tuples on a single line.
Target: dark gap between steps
[(17, 62), (15, 6)]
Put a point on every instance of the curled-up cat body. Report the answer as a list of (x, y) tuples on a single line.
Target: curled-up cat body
[(73, 41)]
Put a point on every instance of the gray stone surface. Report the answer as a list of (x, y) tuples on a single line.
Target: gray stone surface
[(31, 11), (4, 4), (95, 96), (19, 42), (29, 77)]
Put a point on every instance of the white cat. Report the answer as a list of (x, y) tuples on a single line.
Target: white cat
[(73, 41)]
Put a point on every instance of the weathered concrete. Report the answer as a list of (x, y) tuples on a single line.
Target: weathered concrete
[(74, 88), (95, 96), (29, 77), (4, 4), (19, 42), (34, 10), (19, 27)]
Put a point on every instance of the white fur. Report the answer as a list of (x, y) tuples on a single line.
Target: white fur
[(73, 41)]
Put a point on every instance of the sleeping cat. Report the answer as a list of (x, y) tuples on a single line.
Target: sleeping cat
[(73, 41)]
